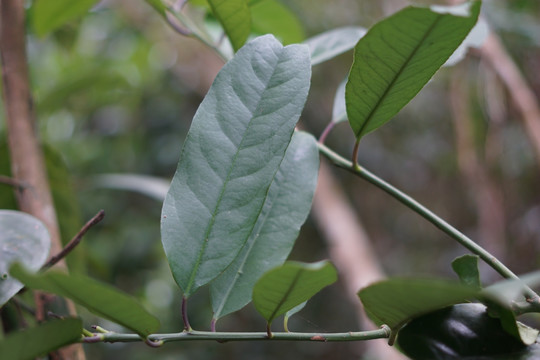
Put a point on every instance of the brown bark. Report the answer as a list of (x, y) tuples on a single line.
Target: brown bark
[(521, 94), (350, 251), (486, 195), (27, 163)]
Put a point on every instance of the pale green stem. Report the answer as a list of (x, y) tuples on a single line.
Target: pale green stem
[(382, 333), (426, 214)]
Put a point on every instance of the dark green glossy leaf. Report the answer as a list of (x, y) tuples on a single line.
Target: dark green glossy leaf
[(396, 58), (286, 207), (101, 299), (272, 17), (25, 239), (235, 17), (332, 43), (283, 288), (462, 331), (466, 267), (40, 340), (395, 301), (49, 15), (236, 143)]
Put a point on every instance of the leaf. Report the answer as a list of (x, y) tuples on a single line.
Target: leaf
[(285, 209), (500, 296), (290, 313), (334, 42), (151, 186), (283, 288), (101, 299), (466, 267), (396, 58), (42, 339), (233, 150), (235, 17), (272, 17), (159, 6), (339, 111), (48, 15), (25, 239), (395, 301)]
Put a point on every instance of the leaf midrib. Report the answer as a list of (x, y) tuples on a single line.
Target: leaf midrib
[(286, 295), (397, 76)]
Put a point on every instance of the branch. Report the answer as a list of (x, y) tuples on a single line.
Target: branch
[(522, 95), (426, 214), (26, 156), (194, 335), (75, 241)]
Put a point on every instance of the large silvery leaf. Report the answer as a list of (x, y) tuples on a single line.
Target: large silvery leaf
[(396, 58), (235, 17), (24, 239), (286, 208), (285, 287), (233, 150)]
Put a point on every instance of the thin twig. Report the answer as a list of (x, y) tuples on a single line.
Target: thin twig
[(20, 185), (241, 336), (428, 215), (75, 241)]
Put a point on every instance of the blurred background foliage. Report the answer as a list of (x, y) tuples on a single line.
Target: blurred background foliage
[(115, 92)]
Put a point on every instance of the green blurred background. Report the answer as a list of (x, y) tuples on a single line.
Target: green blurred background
[(115, 92)]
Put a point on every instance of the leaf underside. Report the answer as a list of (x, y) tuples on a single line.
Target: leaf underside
[(396, 58), (235, 145), (285, 209), (25, 239)]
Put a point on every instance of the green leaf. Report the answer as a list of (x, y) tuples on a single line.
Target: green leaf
[(40, 340), (285, 209), (272, 17), (339, 110), (101, 299), (395, 301), (159, 7), (235, 17), (500, 296), (25, 239), (396, 58), (466, 267), (283, 288), (290, 313), (236, 143), (48, 15), (332, 43)]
